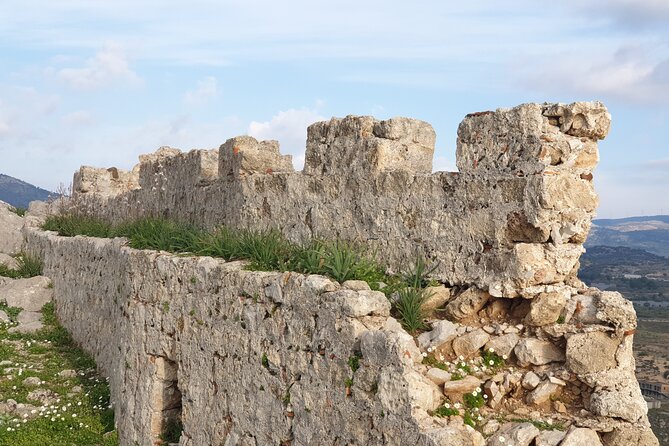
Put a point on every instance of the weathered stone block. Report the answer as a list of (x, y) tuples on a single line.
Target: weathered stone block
[(245, 155), (591, 352)]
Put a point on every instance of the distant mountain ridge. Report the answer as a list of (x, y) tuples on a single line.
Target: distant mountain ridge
[(650, 233), (18, 193)]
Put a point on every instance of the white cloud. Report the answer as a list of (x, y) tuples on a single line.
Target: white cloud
[(4, 129), (108, 66), (78, 118), (634, 74), (630, 13), (206, 90), (290, 129)]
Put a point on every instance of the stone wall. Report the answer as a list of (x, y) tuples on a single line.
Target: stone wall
[(257, 358), (515, 216), (242, 357)]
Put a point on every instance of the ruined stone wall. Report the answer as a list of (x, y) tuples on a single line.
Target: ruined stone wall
[(244, 358), (257, 358), (515, 216)]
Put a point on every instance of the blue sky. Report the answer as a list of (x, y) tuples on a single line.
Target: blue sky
[(99, 82)]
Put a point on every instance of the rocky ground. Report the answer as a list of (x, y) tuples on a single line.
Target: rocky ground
[(50, 393)]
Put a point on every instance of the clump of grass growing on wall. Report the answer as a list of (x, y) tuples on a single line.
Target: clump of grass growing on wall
[(27, 266), (409, 305), (71, 225), (158, 233), (268, 250)]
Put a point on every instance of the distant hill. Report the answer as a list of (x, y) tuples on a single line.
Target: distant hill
[(648, 233), (636, 273), (19, 193)]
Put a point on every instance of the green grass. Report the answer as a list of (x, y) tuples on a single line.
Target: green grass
[(21, 212), (267, 250), (44, 355), (28, 266), (408, 305)]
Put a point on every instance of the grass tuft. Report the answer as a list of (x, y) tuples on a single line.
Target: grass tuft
[(409, 305)]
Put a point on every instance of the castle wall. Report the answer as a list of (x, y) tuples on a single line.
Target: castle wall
[(515, 216)]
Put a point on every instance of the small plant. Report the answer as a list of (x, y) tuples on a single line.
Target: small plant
[(433, 362), (172, 431), (560, 320), (28, 265), (354, 362), (473, 400), (264, 361), (409, 306), (348, 382), (457, 376), (166, 306), (468, 419), (446, 411), (267, 250), (21, 212), (417, 274), (492, 359)]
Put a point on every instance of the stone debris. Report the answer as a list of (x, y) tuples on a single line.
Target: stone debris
[(467, 304), (503, 345), (546, 308), (29, 294), (9, 261), (550, 438), (542, 393), (469, 344), (591, 352), (537, 352), (518, 434), (442, 331), (531, 380), (579, 436)]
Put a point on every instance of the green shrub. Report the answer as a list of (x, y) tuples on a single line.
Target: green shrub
[(408, 304)]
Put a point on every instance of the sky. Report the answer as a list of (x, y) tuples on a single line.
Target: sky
[(99, 82)]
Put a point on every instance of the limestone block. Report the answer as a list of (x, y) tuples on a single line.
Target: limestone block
[(530, 380), (542, 392), (29, 294), (455, 389), (518, 434), (591, 352), (442, 331), (503, 345), (626, 435), (546, 308), (584, 119), (626, 403), (10, 230), (537, 352), (363, 303), (361, 145), (530, 138), (9, 261), (467, 303), (469, 344), (106, 182), (437, 296), (244, 155), (578, 436), (438, 376)]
